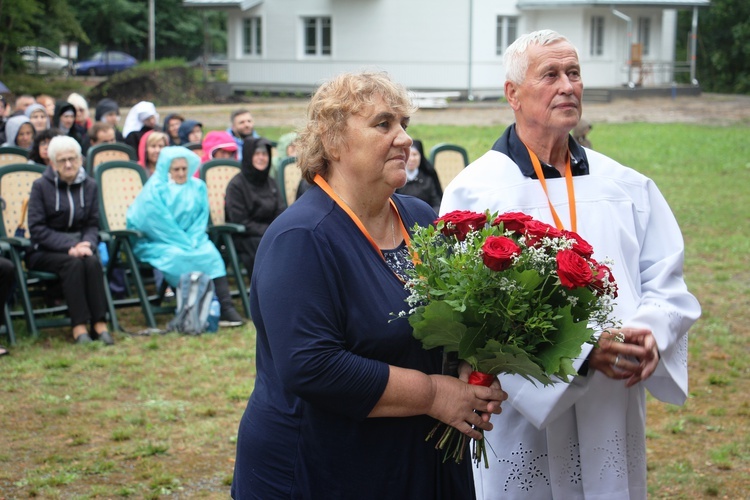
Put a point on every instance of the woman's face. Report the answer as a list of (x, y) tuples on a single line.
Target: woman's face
[(67, 120), (39, 120), (375, 146), (82, 115), (178, 170), (43, 147), (67, 164), (195, 135), (152, 151), (414, 159), (25, 136), (260, 159), (173, 126)]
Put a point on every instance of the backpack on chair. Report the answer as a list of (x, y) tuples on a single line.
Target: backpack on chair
[(194, 294)]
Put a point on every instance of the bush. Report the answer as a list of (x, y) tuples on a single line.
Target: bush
[(57, 87)]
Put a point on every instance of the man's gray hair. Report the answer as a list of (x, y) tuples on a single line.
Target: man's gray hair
[(515, 59), (61, 143)]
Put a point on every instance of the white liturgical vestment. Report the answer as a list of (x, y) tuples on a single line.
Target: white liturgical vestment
[(586, 439)]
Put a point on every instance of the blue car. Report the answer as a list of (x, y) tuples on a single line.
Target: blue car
[(105, 63)]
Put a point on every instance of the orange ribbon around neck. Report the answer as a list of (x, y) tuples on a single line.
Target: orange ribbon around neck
[(568, 183), (320, 181)]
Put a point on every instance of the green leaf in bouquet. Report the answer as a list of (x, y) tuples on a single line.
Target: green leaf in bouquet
[(473, 339), (496, 358), (530, 279), (566, 341), (436, 325)]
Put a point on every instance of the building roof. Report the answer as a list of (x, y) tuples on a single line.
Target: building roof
[(550, 4), (222, 4)]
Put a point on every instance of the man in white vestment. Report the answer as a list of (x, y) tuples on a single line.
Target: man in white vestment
[(585, 439)]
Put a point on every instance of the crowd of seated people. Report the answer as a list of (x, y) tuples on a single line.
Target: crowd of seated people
[(253, 198)]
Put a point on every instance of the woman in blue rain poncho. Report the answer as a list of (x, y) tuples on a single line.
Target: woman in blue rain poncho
[(172, 213)]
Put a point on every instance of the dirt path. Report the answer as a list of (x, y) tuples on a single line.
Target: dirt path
[(707, 109)]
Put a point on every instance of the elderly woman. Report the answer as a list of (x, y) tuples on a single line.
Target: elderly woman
[(172, 213), (253, 199), (64, 228), (344, 395)]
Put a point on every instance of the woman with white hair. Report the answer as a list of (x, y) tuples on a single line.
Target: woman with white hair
[(64, 228)]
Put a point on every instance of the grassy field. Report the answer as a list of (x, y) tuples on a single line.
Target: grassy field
[(157, 416)]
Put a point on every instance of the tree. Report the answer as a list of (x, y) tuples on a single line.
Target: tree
[(28, 22), (723, 55)]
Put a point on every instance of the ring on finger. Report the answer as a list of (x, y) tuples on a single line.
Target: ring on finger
[(617, 360)]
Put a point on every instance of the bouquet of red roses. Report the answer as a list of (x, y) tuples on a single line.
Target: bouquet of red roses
[(508, 294)]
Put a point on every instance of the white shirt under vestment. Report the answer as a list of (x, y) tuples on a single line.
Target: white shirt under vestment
[(586, 439)]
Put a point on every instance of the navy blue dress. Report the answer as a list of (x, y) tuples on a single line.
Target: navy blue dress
[(321, 299)]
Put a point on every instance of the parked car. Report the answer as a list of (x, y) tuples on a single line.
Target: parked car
[(41, 61), (105, 63)]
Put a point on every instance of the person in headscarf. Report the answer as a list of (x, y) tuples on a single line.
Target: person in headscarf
[(421, 179), (65, 118), (172, 213), (190, 132), (216, 145), (141, 118), (38, 117), (19, 132), (253, 199), (83, 120), (285, 147), (64, 230), (149, 149), (171, 127)]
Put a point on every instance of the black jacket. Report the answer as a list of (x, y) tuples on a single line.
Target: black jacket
[(253, 199), (62, 215)]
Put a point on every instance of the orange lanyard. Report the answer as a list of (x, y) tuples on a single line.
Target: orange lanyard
[(320, 181), (568, 183)]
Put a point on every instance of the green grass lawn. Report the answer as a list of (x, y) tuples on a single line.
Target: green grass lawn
[(154, 416)]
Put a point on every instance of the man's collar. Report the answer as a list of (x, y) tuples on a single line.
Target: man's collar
[(511, 145)]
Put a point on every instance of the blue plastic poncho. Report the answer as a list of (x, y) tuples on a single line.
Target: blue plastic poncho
[(173, 218)]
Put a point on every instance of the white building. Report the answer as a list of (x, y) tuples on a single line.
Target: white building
[(442, 45)]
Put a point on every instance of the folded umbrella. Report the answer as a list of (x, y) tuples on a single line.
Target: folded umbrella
[(21, 229)]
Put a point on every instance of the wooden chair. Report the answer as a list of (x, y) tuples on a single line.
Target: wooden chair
[(288, 178), (15, 187), (120, 182), (102, 153), (448, 160), (217, 174), (10, 155)]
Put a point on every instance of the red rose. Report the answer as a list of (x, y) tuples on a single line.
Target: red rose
[(603, 279), (580, 246), (536, 230), (498, 252), (512, 221), (573, 270), (459, 223)]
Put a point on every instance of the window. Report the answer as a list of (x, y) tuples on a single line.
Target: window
[(252, 39), (507, 32), (644, 34), (597, 36), (317, 36)]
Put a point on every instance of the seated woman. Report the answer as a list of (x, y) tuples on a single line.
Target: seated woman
[(421, 179), (140, 119), (149, 148), (64, 229), (38, 117), (172, 213), (190, 132), (65, 120), (253, 199)]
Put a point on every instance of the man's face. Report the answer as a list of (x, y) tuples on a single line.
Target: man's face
[(106, 136), (549, 98), (243, 125), (112, 118), (24, 102)]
